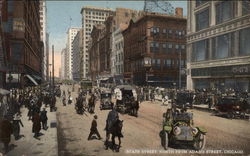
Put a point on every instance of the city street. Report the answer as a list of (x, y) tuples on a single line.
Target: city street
[(142, 133)]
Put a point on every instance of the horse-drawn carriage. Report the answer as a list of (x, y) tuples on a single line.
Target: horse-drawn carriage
[(233, 106), (106, 101), (126, 99)]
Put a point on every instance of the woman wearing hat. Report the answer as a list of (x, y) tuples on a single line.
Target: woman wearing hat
[(16, 125)]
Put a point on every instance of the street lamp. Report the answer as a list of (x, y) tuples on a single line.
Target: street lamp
[(147, 66)]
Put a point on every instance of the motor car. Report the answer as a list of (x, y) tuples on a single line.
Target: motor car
[(184, 99), (179, 128), (232, 106), (106, 101)]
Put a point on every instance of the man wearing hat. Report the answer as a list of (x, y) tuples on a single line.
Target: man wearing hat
[(93, 129)]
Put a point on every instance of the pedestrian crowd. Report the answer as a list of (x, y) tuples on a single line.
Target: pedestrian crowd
[(36, 100)]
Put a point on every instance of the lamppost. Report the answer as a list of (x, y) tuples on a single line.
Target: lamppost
[(50, 77), (147, 66)]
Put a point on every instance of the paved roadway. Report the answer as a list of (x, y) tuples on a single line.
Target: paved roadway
[(142, 134)]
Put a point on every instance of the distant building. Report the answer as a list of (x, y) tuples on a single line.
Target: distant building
[(63, 64), (105, 42), (218, 37), (69, 60), (77, 50), (90, 17), (94, 52), (117, 54), (155, 50), (24, 49)]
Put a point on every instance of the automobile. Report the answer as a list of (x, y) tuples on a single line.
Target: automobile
[(178, 128), (126, 99), (232, 106), (184, 99), (106, 101)]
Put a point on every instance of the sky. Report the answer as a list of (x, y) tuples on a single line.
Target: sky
[(59, 14)]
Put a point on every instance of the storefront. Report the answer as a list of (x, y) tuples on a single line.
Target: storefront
[(223, 77)]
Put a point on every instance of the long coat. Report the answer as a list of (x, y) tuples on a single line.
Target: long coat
[(5, 131), (36, 123)]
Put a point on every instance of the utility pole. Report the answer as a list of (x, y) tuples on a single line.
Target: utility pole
[(53, 71), (180, 69)]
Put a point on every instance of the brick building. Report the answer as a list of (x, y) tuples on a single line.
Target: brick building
[(94, 54), (21, 27), (102, 38), (155, 49)]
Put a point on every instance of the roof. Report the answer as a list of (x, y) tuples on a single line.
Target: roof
[(155, 15), (95, 8)]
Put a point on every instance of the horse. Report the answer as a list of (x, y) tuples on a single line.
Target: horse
[(115, 131)]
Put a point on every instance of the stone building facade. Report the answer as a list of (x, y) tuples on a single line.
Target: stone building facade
[(218, 49)]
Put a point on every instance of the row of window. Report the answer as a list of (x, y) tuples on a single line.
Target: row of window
[(96, 13), (223, 46), (95, 17), (166, 47), (168, 32), (224, 11)]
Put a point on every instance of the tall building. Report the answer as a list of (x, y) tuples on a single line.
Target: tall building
[(44, 36), (90, 17), (63, 64), (69, 61), (117, 54), (76, 59), (155, 50), (218, 37), (21, 27)]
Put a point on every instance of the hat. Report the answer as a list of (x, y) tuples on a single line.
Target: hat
[(95, 116)]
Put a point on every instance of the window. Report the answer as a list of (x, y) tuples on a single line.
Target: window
[(176, 46), (156, 63), (224, 11), (182, 46), (202, 19), (200, 50), (126, 14), (200, 2), (170, 45), (164, 31), (167, 63), (245, 7), (16, 54), (244, 41), (164, 45), (183, 63), (154, 46), (154, 31), (221, 46)]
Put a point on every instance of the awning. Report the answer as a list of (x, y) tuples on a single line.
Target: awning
[(105, 79), (31, 79), (14, 78), (4, 92)]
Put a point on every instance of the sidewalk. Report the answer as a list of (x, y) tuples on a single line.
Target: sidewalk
[(27, 145), (204, 107)]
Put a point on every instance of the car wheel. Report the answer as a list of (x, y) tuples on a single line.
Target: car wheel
[(165, 140), (200, 141)]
